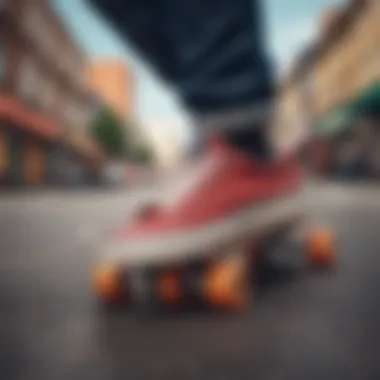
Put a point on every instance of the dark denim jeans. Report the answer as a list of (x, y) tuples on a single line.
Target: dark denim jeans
[(211, 51)]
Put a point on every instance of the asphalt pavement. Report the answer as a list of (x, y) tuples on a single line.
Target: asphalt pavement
[(302, 325)]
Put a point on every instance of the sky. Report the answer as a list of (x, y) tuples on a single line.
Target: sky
[(291, 24)]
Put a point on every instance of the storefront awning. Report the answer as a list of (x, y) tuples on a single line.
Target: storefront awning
[(337, 121), (368, 102), (20, 116), (346, 116)]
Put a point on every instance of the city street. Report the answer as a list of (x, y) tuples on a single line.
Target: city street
[(302, 325)]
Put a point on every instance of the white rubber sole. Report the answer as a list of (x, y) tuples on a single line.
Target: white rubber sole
[(176, 247)]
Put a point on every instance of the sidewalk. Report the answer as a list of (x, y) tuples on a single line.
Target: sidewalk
[(143, 193)]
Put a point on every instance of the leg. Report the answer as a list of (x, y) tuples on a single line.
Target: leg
[(219, 45), (212, 52), (140, 23)]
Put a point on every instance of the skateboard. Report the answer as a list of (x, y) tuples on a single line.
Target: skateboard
[(218, 278)]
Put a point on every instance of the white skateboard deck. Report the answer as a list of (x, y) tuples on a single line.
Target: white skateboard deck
[(241, 228)]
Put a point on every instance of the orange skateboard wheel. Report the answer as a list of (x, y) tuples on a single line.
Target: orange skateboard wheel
[(226, 285), (169, 287), (108, 283), (320, 247)]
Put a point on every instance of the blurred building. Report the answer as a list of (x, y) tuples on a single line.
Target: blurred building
[(166, 143), (296, 102), (46, 105), (336, 68), (113, 81), (349, 56)]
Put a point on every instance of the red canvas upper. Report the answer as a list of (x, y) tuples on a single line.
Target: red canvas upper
[(229, 182)]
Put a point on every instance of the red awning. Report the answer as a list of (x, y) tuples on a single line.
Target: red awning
[(20, 116)]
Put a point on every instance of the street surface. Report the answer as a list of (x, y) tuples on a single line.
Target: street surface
[(302, 325)]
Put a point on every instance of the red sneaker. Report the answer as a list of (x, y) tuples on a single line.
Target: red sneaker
[(227, 193)]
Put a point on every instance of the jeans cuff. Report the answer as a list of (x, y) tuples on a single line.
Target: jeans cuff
[(250, 116)]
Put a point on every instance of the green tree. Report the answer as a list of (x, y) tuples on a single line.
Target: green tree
[(116, 139), (111, 133), (142, 154)]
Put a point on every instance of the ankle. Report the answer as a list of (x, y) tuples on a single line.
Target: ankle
[(253, 141)]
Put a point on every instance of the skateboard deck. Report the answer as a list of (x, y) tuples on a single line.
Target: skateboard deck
[(212, 240), (215, 272)]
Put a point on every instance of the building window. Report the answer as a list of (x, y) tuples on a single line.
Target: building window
[(29, 79), (37, 26), (77, 116), (80, 74), (81, 117), (87, 117), (47, 92), (60, 108), (3, 61), (64, 63), (375, 64), (74, 68), (32, 19), (3, 4), (70, 115)]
